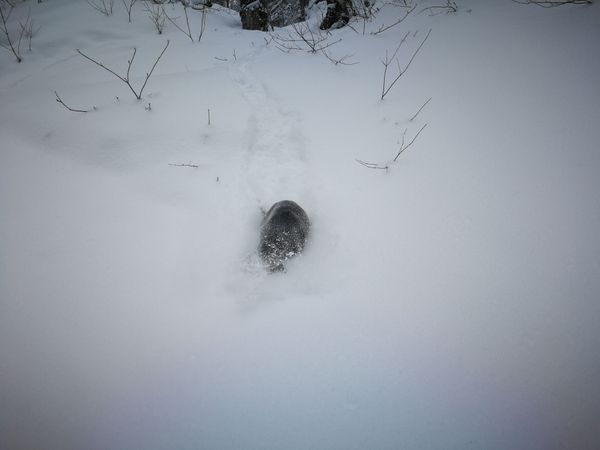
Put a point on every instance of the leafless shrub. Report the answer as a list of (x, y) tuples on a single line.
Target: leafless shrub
[(12, 45), (552, 4), (128, 7), (203, 10), (126, 78), (449, 7), (344, 60), (365, 10), (384, 27), (401, 71), (188, 32), (28, 30), (403, 147), (157, 15), (102, 6), (302, 37)]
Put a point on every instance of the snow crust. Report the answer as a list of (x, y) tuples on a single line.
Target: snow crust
[(452, 301)]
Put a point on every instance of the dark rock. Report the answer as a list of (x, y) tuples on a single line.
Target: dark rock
[(338, 14), (286, 12), (265, 14), (254, 15)]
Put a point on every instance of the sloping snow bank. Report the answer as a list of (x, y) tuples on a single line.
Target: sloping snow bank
[(451, 302)]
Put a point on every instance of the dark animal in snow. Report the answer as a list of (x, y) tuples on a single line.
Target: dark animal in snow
[(283, 234)]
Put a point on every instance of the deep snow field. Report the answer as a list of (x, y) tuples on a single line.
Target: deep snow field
[(450, 302)]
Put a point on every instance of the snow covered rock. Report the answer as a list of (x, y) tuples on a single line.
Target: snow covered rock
[(264, 14), (338, 14), (254, 15)]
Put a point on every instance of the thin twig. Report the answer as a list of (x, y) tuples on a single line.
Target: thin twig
[(202, 22), (188, 33), (402, 147), (125, 79), (27, 29), (128, 7), (152, 70), (59, 100), (552, 4), (397, 22), (195, 166), (420, 109), (369, 165), (449, 7), (10, 45), (386, 166), (343, 60), (388, 61), (401, 71), (106, 7)]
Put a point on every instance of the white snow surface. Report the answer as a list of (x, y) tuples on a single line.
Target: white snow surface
[(450, 302)]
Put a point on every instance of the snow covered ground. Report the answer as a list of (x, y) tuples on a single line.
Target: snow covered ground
[(451, 302)]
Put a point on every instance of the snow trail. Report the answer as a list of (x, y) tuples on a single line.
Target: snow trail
[(275, 162)]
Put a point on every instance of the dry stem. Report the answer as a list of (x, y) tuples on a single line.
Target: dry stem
[(125, 79)]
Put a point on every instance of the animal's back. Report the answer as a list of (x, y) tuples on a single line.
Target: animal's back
[(284, 231)]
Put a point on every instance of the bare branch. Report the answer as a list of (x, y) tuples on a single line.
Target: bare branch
[(397, 22), (125, 79), (105, 6), (157, 15), (188, 33), (195, 166), (128, 7), (552, 4), (403, 147), (59, 100), (342, 61), (449, 7), (10, 46), (152, 70), (387, 62), (369, 165), (27, 29), (420, 109), (202, 22), (304, 38)]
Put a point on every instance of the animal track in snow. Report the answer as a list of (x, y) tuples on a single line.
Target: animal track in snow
[(274, 163)]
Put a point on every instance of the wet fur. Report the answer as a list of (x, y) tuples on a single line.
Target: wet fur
[(283, 234)]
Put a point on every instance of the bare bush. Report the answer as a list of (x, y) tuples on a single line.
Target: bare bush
[(28, 30), (12, 44), (102, 6), (302, 37), (126, 78), (157, 15), (384, 27), (187, 31), (128, 7), (403, 147), (366, 11), (385, 89), (449, 7)]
